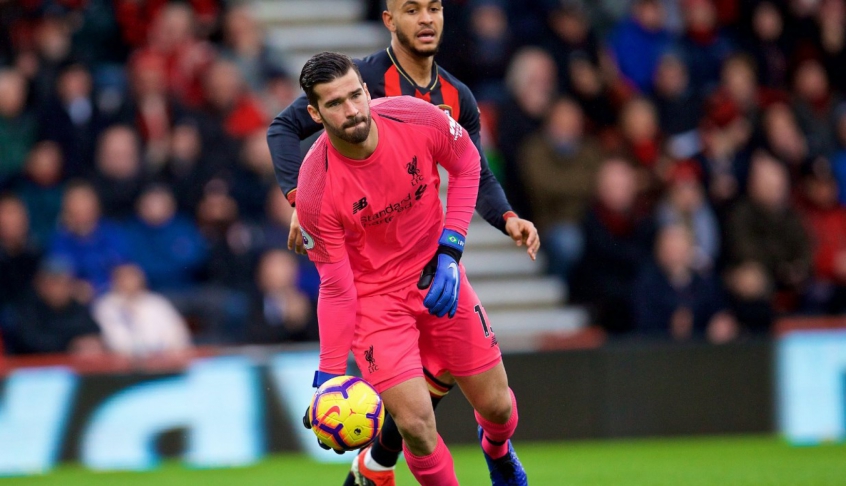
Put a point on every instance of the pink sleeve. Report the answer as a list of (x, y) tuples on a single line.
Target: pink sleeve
[(458, 155), (337, 306)]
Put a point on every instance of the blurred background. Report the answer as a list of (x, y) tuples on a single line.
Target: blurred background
[(684, 161)]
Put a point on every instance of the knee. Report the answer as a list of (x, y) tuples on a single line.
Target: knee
[(417, 428), (497, 410)]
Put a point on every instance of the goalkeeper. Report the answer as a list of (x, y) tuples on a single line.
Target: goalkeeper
[(370, 225)]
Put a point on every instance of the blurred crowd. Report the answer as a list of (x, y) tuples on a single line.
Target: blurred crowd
[(685, 161), (139, 212)]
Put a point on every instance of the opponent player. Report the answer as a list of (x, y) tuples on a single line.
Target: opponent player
[(370, 225), (407, 67)]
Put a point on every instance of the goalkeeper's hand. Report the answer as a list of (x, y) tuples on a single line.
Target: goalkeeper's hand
[(319, 379), (442, 276)]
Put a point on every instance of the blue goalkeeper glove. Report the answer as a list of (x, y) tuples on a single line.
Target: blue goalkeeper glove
[(319, 379), (442, 276)]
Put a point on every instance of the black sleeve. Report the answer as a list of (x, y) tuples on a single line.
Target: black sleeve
[(491, 203), (283, 138)]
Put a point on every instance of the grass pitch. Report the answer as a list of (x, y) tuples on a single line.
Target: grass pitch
[(715, 461)]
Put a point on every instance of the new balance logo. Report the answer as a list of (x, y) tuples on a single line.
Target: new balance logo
[(359, 205)]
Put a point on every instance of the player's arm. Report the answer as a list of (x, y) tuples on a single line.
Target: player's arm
[(491, 202), (453, 149), (336, 314), (338, 300), (460, 157), (286, 131), (336, 303)]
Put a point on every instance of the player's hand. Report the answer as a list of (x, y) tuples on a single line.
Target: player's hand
[(442, 276), (307, 424), (523, 232), (295, 235), (320, 378)]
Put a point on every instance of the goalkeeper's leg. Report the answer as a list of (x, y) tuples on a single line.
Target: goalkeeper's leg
[(382, 455)]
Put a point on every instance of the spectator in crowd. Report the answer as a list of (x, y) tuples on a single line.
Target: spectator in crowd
[(679, 106), (831, 39), (41, 187), (275, 231), (72, 119), (559, 164), (51, 49), (190, 166), (723, 162), (685, 204), (231, 241), (531, 83), (596, 97), (765, 230), (639, 41), (51, 321), (173, 35), (814, 103), (768, 43), (244, 45), (19, 257), (617, 239), (280, 91), (153, 109), (276, 225), (230, 103), (136, 322), (703, 47), (572, 35), (783, 138), (826, 223), (92, 245), (738, 97), (166, 245), (671, 298), (136, 18), (119, 175), (18, 128), (253, 177), (641, 134), (482, 64), (279, 311)]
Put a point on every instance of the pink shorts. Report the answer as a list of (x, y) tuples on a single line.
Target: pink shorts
[(396, 337)]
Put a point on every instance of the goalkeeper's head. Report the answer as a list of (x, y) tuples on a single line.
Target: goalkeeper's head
[(417, 25), (337, 97)]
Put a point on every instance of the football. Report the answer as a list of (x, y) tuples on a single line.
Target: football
[(346, 413)]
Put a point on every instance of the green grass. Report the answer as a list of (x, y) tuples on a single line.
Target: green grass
[(719, 461)]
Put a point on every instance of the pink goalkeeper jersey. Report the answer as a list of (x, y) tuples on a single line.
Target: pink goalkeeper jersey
[(384, 212), (371, 225)]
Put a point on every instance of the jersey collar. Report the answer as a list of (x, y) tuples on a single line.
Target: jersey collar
[(433, 82)]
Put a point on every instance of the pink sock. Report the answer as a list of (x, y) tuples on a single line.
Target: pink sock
[(436, 469), (495, 437)]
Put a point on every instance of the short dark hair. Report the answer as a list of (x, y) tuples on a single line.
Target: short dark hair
[(323, 68)]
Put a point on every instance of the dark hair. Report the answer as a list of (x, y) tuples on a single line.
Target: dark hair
[(323, 68)]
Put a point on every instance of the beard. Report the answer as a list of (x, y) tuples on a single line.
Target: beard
[(408, 43), (357, 135)]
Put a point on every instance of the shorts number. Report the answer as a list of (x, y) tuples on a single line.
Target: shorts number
[(485, 327)]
